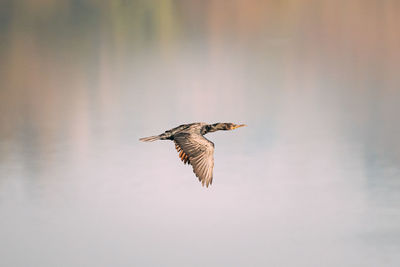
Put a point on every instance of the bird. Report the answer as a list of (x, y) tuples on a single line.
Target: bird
[(193, 147)]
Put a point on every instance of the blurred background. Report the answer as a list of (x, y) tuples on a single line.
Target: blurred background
[(314, 179)]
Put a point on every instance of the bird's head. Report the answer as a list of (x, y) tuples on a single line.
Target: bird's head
[(232, 126)]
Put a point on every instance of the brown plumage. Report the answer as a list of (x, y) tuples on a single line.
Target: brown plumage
[(193, 147)]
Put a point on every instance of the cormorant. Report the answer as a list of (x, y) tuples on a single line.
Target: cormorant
[(193, 147)]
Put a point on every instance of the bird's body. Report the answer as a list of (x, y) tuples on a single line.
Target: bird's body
[(193, 147)]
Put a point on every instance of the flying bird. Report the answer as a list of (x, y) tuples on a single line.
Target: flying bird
[(193, 147)]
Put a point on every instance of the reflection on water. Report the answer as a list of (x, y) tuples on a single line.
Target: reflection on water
[(313, 181)]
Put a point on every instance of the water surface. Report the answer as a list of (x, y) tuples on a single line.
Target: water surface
[(314, 179)]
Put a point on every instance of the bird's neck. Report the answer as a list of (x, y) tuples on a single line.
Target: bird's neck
[(209, 128)]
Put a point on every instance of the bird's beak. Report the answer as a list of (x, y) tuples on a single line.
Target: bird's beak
[(237, 126)]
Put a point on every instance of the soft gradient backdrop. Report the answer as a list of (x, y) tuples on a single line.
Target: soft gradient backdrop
[(314, 179)]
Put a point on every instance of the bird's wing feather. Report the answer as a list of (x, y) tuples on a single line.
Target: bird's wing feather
[(199, 152)]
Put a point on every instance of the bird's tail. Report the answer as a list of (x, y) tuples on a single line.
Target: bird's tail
[(150, 138)]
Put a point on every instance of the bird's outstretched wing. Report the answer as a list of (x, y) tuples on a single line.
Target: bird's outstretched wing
[(196, 150)]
